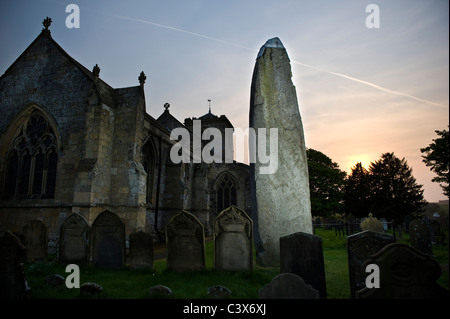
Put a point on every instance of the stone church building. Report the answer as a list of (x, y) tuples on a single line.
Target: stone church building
[(71, 143)]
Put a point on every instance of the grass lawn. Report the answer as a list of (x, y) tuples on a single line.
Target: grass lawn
[(135, 284)]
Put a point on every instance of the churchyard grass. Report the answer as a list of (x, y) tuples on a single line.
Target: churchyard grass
[(134, 284)]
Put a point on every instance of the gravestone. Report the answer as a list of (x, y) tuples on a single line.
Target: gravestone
[(108, 241), (233, 240), (288, 286), (13, 284), (74, 240), (360, 247), (141, 250), (185, 240), (419, 236), (279, 188), (302, 254), (405, 273), (35, 240)]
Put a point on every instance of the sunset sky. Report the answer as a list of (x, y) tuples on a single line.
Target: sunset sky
[(362, 92)]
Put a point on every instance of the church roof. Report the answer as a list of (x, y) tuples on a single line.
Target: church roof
[(169, 121), (104, 91)]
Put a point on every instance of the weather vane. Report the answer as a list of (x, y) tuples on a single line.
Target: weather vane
[(209, 101)]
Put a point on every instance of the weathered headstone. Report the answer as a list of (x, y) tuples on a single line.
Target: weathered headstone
[(405, 273), (360, 247), (108, 241), (185, 240), (35, 240), (302, 254), (288, 286), (13, 284), (372, 223), (279, 190), (141, 250), (419, 236), (233, 240), (74, 240)]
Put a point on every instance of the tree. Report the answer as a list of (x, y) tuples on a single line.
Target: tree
[(326, 182), (394, 191), (437, 156), (357, 192)]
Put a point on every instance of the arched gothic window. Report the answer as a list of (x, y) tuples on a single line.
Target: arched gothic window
[(32, 160), (225, 192)]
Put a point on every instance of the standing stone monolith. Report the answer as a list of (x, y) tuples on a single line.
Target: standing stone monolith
[(279, 187)]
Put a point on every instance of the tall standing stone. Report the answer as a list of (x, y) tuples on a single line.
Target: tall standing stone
[(280, 197)]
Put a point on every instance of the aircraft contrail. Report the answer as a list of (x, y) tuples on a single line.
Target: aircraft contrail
[(373, 85)]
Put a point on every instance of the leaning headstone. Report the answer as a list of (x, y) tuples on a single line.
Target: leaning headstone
[(419, 236), (372, 223), (279, 187), (302, 254), (233, 240), (74, 240), (404, 273), (360, 247), (35, 240), (141, 250), (108, 241), (185, 240), (288, 286), (13, 284)]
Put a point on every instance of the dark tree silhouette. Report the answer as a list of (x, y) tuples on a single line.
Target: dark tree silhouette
[(437, 157)]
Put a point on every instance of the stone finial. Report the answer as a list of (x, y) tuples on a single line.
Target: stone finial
[(96, 71), (166, 106), (142, 78), (46, 23)]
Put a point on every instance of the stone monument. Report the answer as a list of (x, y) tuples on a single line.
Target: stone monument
[(233, 240), (107, 240), (280, 198), (74, 240), (404, 273), (360, 247), (302, 254), (185, 240), (36, 240), (288, 286)]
